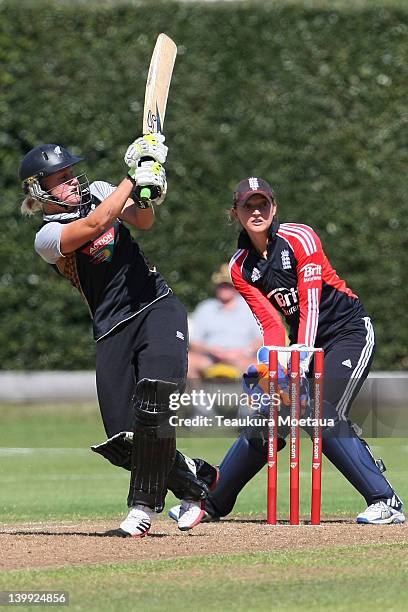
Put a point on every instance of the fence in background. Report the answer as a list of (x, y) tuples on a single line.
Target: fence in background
[(380, 408)]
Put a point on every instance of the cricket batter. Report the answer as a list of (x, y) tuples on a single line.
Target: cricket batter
[(139, 326), (281, 270)]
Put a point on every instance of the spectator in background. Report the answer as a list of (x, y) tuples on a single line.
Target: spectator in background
[(224, 335)]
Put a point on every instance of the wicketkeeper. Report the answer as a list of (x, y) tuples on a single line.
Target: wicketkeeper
[(282, 271)]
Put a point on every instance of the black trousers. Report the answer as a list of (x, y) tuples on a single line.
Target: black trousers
[(153, 345), (348, 359)]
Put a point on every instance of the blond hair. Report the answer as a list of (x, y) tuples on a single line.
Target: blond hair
[(30, 206)]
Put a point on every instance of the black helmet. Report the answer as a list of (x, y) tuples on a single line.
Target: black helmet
[(43, 161)]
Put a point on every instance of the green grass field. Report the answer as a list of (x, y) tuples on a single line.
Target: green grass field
[(46, 465), (350, 578), (48, 473)]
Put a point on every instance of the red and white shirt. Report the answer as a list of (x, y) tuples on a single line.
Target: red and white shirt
[(296, 280)]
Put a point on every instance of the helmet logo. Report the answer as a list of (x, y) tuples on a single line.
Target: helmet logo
[(253, 183), (57, 150)]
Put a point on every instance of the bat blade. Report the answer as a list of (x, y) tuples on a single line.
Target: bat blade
[(158, 84)]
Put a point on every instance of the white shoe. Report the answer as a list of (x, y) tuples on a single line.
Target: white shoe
[(380, 514), (190, 514), (174, 512), (138, 522)]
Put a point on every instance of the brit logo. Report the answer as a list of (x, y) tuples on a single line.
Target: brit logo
[(286, 299), (256, 275), (57, 150), (285, 260), (312, 272)]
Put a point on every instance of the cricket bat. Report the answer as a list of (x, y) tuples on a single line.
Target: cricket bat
[(157, 91)]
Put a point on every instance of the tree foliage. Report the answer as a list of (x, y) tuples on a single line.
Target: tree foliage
[(313, 100)]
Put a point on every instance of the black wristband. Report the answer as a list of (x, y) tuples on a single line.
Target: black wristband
[(135, 195), (142, 204)]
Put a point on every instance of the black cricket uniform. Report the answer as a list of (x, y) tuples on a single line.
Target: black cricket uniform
[(139, 325)]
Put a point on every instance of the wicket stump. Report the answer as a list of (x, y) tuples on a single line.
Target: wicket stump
[(294, 449)]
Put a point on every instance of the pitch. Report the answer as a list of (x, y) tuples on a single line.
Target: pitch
[(58, 499)]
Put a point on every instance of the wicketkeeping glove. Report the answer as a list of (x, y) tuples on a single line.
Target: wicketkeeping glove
[(283, 374), (256, 381), (305, 358), (150, 145)]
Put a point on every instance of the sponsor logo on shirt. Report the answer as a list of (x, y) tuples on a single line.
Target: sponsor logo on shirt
[(101, 249), (286, 299), (311, 272)]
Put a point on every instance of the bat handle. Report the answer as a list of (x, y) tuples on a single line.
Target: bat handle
[(147, 192)]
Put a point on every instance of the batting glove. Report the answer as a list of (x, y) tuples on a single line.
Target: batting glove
[(149, 178), (150, 145)]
